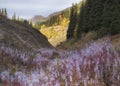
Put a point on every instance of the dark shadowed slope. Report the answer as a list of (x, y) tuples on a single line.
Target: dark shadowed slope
[(20, 35)]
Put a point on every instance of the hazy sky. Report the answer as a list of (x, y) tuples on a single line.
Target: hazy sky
[(29, 8)]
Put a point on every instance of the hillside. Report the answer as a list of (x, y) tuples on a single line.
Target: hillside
[(20, 35), (90, 37), (18, 42), (116, 42), (95, 65)]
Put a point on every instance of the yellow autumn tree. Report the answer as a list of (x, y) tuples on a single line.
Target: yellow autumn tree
[(64, 22)]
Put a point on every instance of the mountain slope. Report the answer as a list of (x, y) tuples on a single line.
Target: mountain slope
[(19, 35), (19, 45), (56, 17)]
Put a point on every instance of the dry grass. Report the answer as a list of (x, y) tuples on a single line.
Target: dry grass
[(116, 41)]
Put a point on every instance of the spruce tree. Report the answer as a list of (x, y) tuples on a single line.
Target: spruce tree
[(102, 16), (14, 16), (0, 11), (73, 22), (80, 20), (111, 16), (18, 18), (4, 12)]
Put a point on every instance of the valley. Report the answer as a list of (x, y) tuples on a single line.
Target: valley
[(77, 46)]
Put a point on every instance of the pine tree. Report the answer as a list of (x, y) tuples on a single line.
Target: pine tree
[(14, 16), (115, 25), (85, 21), (18, 18), (111, 16), (73, 22), (0, 11), (102, 16), (4, 12), (80, 20)]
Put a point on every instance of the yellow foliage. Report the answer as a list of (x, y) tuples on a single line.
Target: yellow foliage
[(43, 26), (55, 34), (64, 22)]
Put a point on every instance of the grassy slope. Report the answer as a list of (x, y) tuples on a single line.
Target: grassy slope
[(116, 41), (74, 44), (20, 35), (18, 42)]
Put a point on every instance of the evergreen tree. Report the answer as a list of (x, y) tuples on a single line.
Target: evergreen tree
[(18, 18), (102, 16), (30, 23), (26, 22), (85, 21), (80, 20), (73, 22), (4, 12), (86, 16), (0, 11), (14, 16), (111, 16)]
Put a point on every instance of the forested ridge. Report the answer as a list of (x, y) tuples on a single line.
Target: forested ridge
[(101, 16)]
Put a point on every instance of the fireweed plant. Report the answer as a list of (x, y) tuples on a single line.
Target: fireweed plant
[(98, 64)]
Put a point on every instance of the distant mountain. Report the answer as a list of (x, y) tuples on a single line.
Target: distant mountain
[(56, 17), (38, 18), (53, 18)]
